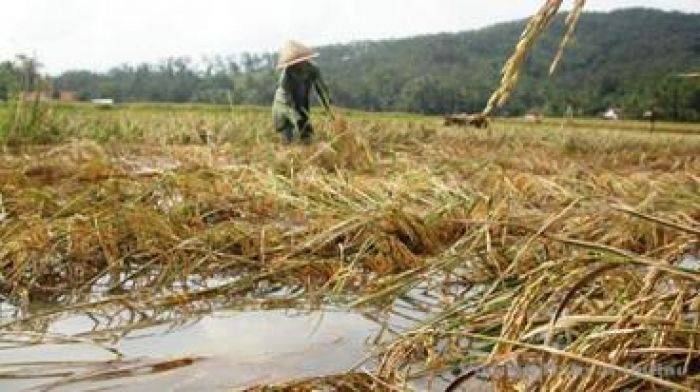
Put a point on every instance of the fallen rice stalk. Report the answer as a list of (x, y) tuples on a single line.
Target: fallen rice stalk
[(579, 358), (534, 29), (665, 222), (672, 270)]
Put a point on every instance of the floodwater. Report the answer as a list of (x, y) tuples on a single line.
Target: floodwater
[(223, 351)]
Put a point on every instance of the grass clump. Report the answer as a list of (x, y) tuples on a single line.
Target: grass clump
[(23, 122)]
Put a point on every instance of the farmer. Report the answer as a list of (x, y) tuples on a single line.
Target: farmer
[(291, 106)]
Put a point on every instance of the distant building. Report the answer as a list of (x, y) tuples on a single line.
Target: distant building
[(31, 96), (533, 117), (67, 96), (103, 102), (612, 114), (48, 94)]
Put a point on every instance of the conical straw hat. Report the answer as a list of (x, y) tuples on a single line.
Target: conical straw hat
[(294, 52)]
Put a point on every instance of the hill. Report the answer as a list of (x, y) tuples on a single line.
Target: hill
[(627, 59)]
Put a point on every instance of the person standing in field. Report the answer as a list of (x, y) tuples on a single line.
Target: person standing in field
[(291, 108)]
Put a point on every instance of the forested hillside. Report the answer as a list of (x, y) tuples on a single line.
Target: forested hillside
[(628, 59)]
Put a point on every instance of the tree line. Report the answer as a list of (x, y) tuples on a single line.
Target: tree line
[(631, 59)]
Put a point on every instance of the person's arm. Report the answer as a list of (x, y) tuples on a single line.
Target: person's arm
[(323, 92), (285, 84)]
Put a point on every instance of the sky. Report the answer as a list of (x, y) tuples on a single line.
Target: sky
[(100, 34)]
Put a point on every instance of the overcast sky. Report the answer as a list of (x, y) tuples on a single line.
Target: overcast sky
[(99, 34)]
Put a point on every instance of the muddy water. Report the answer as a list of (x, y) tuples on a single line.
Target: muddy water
[(223, 351)]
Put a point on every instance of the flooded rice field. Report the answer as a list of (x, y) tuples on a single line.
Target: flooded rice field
[(394, 254)]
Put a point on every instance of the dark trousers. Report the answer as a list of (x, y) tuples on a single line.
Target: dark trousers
[(284, 123)]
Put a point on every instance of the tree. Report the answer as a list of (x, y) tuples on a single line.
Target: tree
[(29, 68), (10, 79)]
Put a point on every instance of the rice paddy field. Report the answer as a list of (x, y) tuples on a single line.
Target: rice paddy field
[(186, 248)]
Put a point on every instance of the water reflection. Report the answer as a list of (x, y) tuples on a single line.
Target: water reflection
[(221, 351), (187, 341)]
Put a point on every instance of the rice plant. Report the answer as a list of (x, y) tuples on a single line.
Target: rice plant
[(538, 24)]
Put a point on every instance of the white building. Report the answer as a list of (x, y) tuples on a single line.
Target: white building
[(612, 114), (103, 102)]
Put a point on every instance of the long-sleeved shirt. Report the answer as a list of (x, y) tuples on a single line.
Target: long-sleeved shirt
[(294, 88)]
